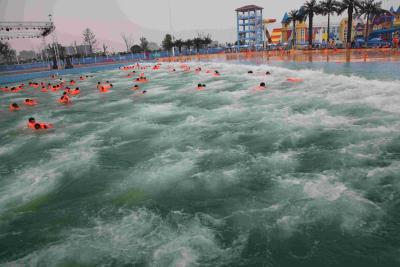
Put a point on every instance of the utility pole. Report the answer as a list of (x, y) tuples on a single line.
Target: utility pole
[(170, 27)]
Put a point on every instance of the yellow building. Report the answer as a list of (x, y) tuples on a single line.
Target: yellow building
[(301, 32), (287, 28), (357, 29)]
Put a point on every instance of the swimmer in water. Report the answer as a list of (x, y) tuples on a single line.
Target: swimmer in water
[(268, 73), (200, 86), (250, 72), (135, 87), (261, 87), (76, 91), (32, 124), (30, 102), (64, 99), (14, 107)]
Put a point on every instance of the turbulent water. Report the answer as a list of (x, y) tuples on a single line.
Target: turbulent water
[(301, 174)]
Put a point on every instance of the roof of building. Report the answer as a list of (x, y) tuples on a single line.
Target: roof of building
[(285, 18), (248, 8), (392, 10)]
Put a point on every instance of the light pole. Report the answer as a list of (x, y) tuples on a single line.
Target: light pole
[(55, 43), (170, 27)]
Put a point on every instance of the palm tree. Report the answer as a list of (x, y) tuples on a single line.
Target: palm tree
[(328, 7), (310, 8), (351, 6), (294, 16), (188, 43), (179, 43), (369, 8)]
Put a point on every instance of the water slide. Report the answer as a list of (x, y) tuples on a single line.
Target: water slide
[(267, 34)]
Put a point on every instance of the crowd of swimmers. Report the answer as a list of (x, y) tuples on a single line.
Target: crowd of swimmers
[(103, 87)]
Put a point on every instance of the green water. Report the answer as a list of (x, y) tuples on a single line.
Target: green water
[(301, 174)]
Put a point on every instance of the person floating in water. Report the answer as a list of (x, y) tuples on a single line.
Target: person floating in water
[(142, 79), (32, 124), (250, 72), (14, 107), (135, 87), (262, 86), (201, 86), (104, 88), (76, 91), (64, 99), (30, 102)]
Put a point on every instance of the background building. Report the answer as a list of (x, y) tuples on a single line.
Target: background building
[(356, 32), (250, 28), (384, 26), (78, 49), (321, 32)]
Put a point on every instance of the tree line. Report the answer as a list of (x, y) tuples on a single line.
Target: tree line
[(199, 42), (90, 46), (354, 8), (7, 55)]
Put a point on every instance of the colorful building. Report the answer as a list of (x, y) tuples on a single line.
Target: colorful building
[(287, 30), (250, 28), (276, 35), (321, 32), (356, 32), (385, 25)]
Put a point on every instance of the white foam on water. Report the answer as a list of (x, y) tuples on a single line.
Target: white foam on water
[(325, 197), (318, 117), (44, 176), (226, 110), (140, 236), (325, 188)]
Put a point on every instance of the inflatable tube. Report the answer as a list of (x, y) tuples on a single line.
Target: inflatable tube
[(75, 92), (294, 80)]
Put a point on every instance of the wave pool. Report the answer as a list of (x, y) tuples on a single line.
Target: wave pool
[(299, 174)]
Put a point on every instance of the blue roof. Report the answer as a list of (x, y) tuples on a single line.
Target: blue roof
[(285, 18)]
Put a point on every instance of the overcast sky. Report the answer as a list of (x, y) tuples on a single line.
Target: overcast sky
[(108, 18)]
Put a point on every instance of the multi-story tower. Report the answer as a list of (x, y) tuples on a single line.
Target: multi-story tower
[(250, 28)]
